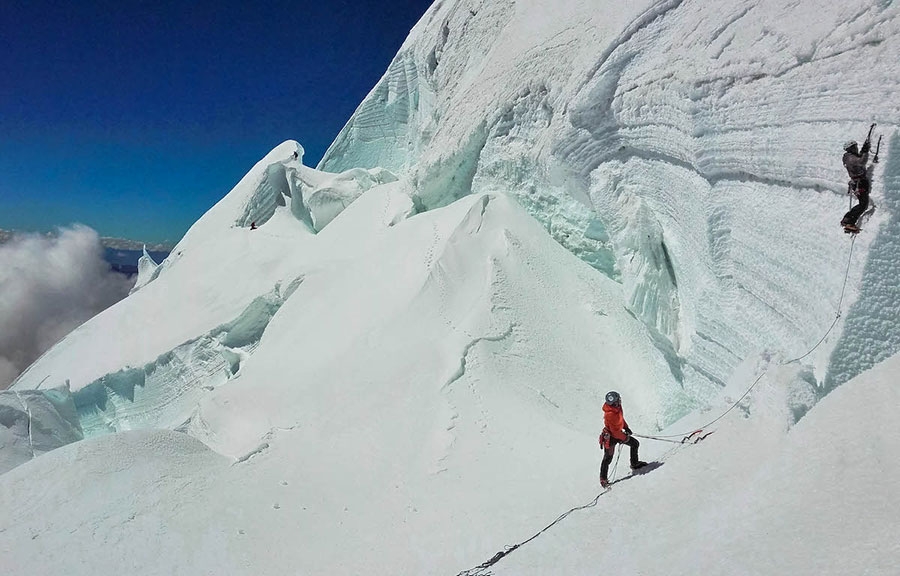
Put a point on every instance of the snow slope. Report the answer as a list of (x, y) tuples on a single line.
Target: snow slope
[(202, 311), (411, 404), (752, 498), (402, 368)]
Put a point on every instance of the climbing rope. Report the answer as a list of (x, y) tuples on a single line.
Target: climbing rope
[(616, 465), (480, 569), (692, 438), (839, 306), (694, 433)]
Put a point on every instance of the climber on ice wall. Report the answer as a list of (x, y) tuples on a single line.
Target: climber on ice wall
[(855, 161)]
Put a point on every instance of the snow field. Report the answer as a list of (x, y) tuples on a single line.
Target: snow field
[(753, 498)]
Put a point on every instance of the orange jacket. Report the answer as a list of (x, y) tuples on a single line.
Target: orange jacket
[(614, 420)]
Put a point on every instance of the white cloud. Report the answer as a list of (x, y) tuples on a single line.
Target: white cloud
[(48, 287)]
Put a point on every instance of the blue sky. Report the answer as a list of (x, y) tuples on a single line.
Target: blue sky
[(135, 117)]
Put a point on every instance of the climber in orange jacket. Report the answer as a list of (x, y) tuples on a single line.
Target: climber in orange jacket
[(616, 431)]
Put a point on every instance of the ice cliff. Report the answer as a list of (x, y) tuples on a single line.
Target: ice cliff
[(691, 154)]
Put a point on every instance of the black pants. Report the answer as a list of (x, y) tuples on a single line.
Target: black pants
[(608, 454), (859, 187)]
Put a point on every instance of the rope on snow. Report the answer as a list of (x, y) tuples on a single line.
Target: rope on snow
[(480, 569)]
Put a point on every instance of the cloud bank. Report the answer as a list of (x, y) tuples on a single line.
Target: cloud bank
[(48, 287)]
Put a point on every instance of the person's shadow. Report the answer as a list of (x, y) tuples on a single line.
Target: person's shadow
[(639, 472)]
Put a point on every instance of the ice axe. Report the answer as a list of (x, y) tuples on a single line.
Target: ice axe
[(871, 128), (877, 148)]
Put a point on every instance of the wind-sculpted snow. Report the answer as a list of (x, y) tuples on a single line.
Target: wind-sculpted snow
[(147, 271), (438, 338), (315, 198), (478, 281), (328, 195)]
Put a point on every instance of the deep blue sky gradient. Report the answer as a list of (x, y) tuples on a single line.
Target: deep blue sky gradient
[(135, 117)]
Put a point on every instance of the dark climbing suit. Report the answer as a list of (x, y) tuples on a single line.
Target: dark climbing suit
[(855, 163)]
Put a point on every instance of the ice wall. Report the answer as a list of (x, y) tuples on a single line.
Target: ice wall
[(33, 422), (693, 158), (871, 334)]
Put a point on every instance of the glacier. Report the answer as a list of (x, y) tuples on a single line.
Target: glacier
[(398, 358)]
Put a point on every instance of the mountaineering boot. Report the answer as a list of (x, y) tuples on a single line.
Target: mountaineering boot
[(638, 465), (604, 482)]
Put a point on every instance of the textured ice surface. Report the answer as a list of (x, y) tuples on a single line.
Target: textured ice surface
[(871, 333), (164, 392), (696, 159), (33, 422)]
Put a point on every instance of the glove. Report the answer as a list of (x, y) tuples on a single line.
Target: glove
[(628, 431)]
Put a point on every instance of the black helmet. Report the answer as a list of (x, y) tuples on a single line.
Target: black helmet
[(613, 398)]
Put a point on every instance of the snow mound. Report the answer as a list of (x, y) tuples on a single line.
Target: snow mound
[(476, 278), (451, 355), (139, 478), (327, 195)]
